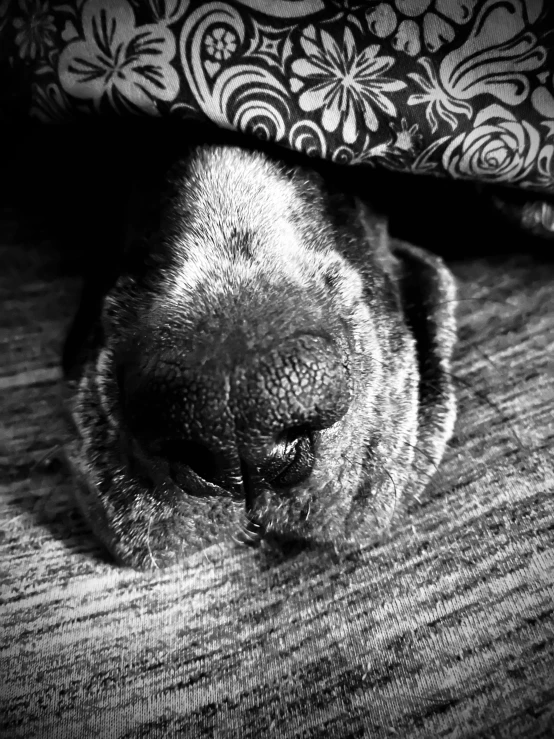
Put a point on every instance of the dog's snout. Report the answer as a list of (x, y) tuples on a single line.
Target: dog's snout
[(255, 416)]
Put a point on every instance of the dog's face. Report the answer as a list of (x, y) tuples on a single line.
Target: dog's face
[(271, 367)]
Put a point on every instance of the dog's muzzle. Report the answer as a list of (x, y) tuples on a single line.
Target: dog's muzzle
[(231, 421)]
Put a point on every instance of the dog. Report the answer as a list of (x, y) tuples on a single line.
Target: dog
[(269, 364)]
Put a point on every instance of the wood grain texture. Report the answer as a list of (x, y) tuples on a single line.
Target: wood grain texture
[(444, 630)]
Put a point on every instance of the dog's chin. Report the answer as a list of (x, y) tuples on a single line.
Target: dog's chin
[(146, 529)]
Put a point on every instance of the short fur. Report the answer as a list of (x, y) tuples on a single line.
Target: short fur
[(265, 302)]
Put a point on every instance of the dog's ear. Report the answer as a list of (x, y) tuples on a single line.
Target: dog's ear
[(428, 295), (99, 241), (114, 220), (426, 292)]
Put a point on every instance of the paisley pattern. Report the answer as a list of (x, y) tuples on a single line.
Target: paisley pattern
[(457, 87)]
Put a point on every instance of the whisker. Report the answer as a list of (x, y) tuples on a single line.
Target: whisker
[(427, 456), (503, 303), (353, 462), (389, 523), (485, 398), (487, 359), (243, 529), (237, 541), (148, 531)]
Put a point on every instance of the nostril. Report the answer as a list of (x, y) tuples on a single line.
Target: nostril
[(292, 458), (197, 457)]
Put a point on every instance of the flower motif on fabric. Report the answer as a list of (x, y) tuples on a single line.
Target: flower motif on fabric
[(494, 60), (220, 43), (497, 56), (406, 137), (116, 57), (35, 29), (545, 166), (439, 103), (500, 148), (50, 104), (543, 102), (167, 11), (344, 83), (414, 21)]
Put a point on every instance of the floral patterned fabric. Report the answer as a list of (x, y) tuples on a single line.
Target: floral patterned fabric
[(457, 87)]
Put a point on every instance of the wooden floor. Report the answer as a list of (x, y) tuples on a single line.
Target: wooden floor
[(445, 630)]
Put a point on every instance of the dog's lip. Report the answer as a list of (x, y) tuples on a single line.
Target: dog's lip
[(253, 483)]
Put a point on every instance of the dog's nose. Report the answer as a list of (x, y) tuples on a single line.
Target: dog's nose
[(228, 416)]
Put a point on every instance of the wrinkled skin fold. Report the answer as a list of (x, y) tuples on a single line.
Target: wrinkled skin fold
[(269, 364)]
